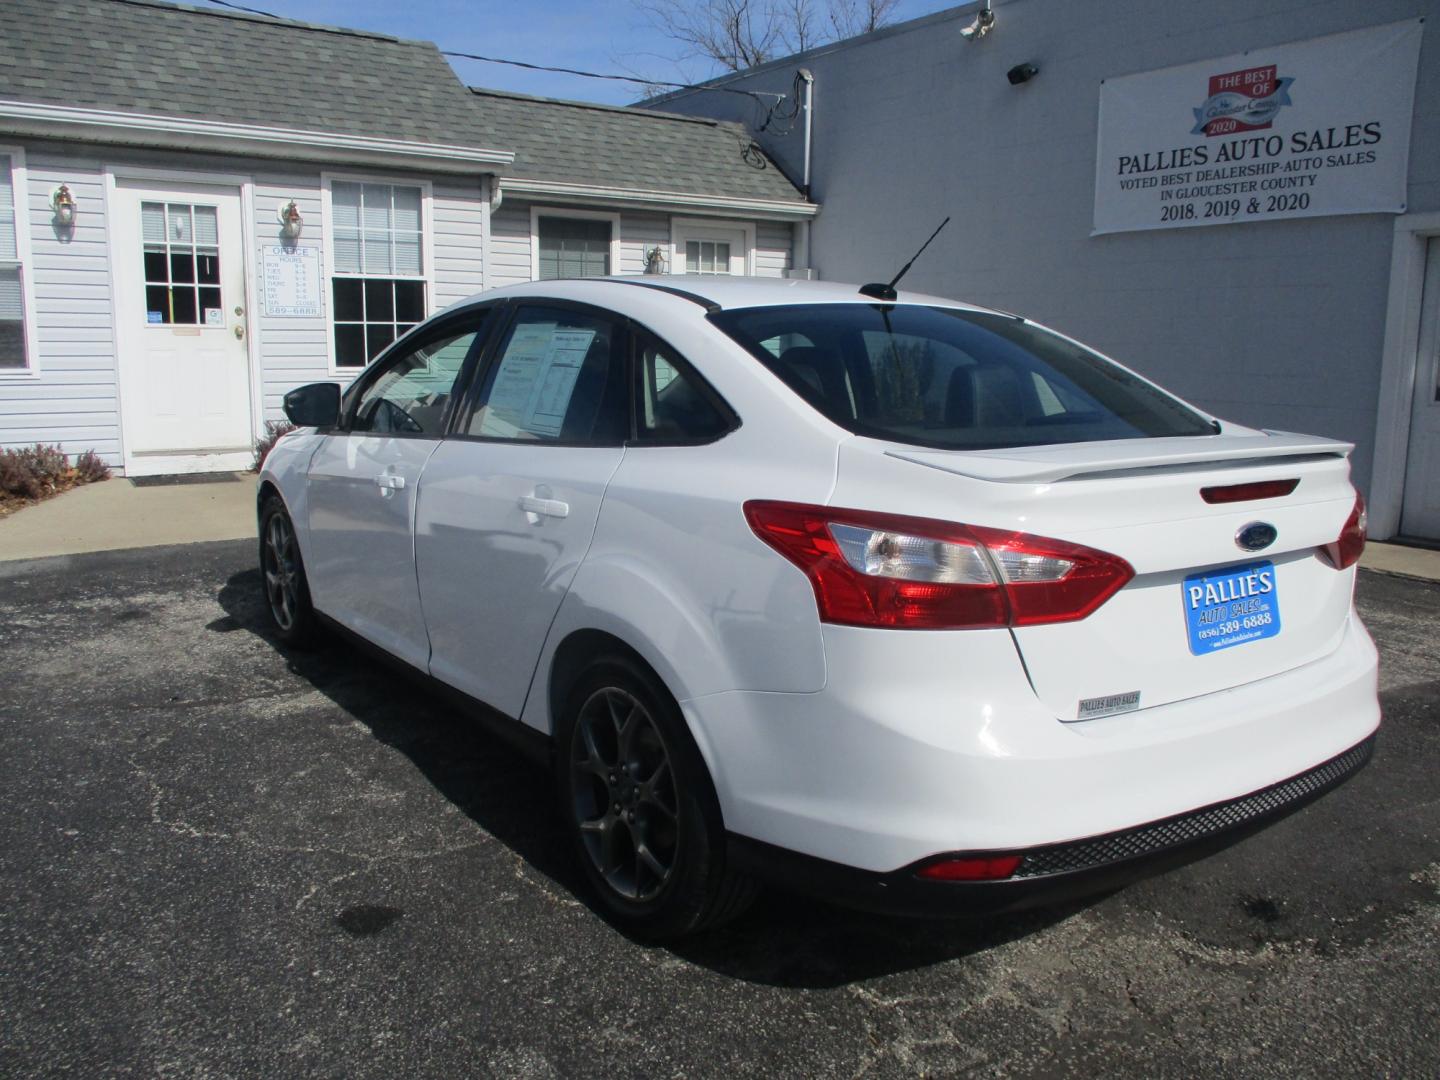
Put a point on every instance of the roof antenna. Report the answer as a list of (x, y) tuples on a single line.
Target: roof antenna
[(887, 292)]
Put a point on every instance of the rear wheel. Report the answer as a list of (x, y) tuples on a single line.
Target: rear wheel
[(640, 805), (282, 572)]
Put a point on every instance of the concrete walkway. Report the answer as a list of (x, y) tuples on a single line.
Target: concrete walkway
[(115, 514)]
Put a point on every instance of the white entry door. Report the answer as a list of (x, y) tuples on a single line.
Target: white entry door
[(1420, 515), (181, 327)]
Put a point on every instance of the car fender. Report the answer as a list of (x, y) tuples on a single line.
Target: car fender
[(286, 468)]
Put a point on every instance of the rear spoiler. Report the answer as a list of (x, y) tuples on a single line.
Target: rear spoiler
[(1071, 461)]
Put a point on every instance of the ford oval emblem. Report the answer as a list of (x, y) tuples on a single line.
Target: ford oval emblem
[(1256, 536)]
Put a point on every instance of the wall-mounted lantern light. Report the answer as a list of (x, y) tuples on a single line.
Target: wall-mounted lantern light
[(63, 203), (291, 223), (655, 261)]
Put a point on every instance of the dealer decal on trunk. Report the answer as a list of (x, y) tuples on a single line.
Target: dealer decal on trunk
[(1229, 607)]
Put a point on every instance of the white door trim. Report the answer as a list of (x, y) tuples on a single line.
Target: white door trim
[(1397, 370), (112, 175)]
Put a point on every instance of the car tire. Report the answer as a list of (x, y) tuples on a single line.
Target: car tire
[(640, 807), (283, 585)]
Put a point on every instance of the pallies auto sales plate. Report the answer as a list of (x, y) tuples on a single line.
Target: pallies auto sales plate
[(1231, 606)]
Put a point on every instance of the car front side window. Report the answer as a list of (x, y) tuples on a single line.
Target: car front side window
[(411, 392)]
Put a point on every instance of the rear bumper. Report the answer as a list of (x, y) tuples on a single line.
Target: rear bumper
[(930, 743), (1058, 872)]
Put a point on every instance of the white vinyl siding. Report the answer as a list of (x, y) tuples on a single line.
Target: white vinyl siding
[(69, 397), (773, 246), (70, 394)]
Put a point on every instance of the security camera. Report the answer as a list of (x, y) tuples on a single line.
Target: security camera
[(1021, 73), (984, 22)]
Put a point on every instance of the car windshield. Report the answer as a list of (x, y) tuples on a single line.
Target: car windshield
[(953, 379)]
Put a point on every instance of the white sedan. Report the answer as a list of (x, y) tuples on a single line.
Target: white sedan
[(909, 603)]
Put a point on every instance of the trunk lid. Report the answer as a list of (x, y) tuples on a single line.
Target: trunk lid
[(1156, 640)]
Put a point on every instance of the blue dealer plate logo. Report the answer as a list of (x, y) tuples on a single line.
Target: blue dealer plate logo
[(1230, 606)]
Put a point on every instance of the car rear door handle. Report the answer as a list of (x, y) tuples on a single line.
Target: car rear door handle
[(532, 504), (389, 482)]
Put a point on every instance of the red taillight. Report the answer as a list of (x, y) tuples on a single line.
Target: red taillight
[(1264, 489), (1345, 551), (997, 868), (910, 573)]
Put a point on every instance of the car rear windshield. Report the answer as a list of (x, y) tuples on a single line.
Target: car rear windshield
[(952, 379)]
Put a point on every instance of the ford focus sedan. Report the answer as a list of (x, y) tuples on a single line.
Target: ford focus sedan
[(911, 604)]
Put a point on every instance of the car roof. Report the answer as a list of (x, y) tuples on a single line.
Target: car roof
[(723, 292)]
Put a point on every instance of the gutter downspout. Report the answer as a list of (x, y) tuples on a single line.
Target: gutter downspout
[(488, 205), (801, 257)]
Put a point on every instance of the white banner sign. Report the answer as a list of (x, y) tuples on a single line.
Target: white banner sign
[(291, 282), (1312, 128)]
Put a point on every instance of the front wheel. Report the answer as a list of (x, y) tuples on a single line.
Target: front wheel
[(640, 806), (282, 572)]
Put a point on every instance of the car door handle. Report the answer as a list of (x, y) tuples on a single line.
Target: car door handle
[(389, 482), (532, 504)]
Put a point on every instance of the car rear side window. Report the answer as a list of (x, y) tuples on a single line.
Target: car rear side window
[(559, 376), (953, 379), (672, 403)]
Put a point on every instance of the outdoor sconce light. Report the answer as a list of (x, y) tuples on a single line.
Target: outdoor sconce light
[(63, 203), (655, 261), (291, 223)]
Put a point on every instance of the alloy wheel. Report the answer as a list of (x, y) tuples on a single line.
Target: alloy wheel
[(624, 794), (282, 571)]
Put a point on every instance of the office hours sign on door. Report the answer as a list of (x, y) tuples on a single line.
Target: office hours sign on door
[(1307, 129)]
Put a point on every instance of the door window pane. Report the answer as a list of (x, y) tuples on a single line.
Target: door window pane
[(410, 395), (707, 257), (672, 403), (557, 379), (573, 247), (180, 252)]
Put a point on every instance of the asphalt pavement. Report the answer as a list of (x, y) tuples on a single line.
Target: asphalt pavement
[(221, 859)]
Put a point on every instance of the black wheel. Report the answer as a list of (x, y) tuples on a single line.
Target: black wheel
[(282, 572), (640, 805)]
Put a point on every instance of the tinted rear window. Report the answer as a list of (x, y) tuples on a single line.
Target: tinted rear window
[(955, 380)]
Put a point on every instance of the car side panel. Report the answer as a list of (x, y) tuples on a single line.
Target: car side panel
[(492, 574), (675, 572)]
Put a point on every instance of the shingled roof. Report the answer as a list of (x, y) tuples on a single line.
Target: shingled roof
[(610, 146), (171, 60)]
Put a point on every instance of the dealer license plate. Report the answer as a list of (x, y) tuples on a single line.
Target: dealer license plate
[(1229, 607)]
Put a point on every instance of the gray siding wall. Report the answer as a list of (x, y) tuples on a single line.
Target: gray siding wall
[(1276, 324)]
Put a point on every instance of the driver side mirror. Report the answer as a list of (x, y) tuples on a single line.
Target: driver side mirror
[(316, 405)]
